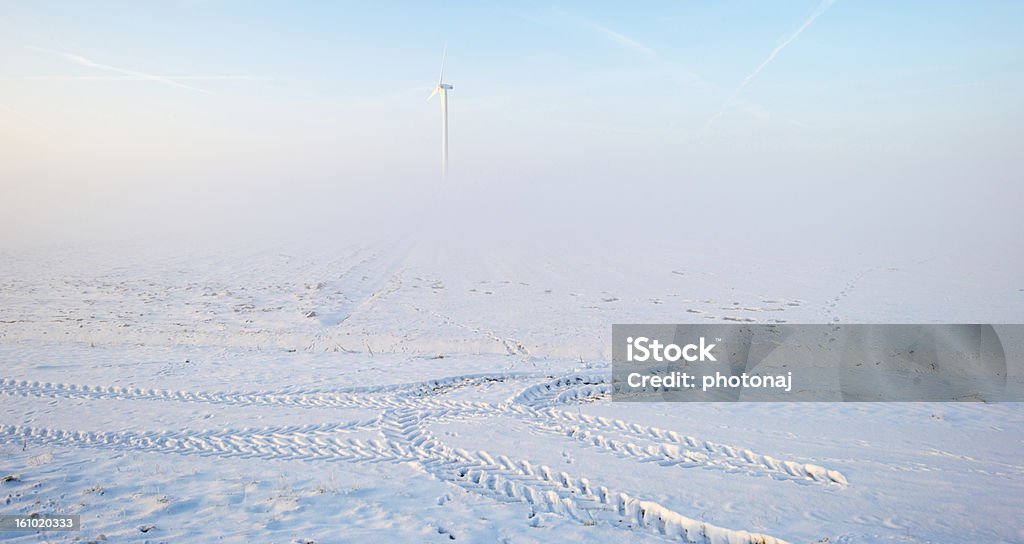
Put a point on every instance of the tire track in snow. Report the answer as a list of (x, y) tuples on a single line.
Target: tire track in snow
[(379, 397), (587, 429), (537, 485), (360, 288), (315, 444), (26, 388), (547, 393), (498, 477), (405, 412), (672, 449)]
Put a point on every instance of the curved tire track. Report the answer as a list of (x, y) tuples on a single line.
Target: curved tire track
[(405, 411)]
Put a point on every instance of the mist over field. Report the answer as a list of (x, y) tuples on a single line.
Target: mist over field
[(901, 143)]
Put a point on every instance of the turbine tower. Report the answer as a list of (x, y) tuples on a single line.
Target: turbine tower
[(442, 88)]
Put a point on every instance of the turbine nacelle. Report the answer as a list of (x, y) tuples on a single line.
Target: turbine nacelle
[(440, 87)]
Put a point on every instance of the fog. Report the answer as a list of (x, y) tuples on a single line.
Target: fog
[(312, 125), (174, 185)]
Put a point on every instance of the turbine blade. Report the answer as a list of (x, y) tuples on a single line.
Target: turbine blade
[(436, 89), (444, 54)]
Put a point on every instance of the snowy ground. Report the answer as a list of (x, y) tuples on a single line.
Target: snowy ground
[(428, 393)]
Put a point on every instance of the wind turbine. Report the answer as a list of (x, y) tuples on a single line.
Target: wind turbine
[(442, 88)]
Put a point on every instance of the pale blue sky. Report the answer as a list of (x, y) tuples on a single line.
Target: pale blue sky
[(234, 103)]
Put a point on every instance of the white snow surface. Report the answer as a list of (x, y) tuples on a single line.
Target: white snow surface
[(402, 392)]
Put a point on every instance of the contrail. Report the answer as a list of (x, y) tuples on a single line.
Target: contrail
[(79, 59), (622, 39), (822, 8), (613, 35), (131, 78)]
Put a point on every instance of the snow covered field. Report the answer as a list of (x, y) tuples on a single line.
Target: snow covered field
[(410, 392)]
